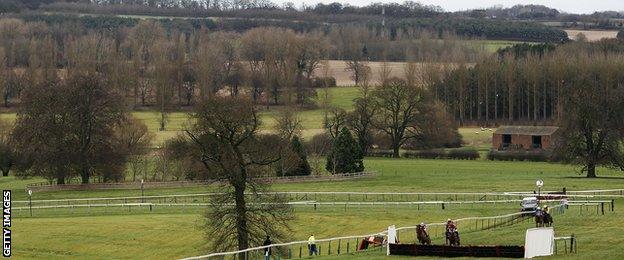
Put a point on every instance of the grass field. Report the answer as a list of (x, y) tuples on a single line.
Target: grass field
[(177, 233), (493, 45), (311, 119), (407, 175)]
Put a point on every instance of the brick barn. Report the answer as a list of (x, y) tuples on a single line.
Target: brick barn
[(524, 138)]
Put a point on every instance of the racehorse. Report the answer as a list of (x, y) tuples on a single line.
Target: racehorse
[(543, 219), (452, 237), (422, 235)]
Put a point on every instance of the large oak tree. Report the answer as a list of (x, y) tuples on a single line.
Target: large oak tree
[(592, 131), (225, 139)]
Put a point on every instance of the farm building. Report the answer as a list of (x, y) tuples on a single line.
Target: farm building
[(523, 137)]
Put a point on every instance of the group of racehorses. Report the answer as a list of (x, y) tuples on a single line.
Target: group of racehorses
[(542, 218), (452, 234)]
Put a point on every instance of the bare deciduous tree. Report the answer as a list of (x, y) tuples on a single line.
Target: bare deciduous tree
[(335, 119), (226, 140), (397, 104), (593, 122)]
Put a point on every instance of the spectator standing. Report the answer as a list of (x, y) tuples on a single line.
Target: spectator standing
[(267, 251), (312, 245)]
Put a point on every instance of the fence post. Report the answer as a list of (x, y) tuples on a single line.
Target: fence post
[(347, 247), (339, 246), (602, 207), (329, 247), (299, 250), (572, 243), (612, 204)]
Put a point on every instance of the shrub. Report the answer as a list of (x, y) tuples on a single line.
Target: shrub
[(457, 154), (534, 156), (380, 153), (320, 144), (324, 82), (464, 154), (620, 35), (426, 154)]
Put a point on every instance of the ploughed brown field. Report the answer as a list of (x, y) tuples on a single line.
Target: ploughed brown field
[(338, 70), (592, 35)]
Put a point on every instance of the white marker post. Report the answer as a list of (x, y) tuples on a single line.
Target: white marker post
[(539, 183), (30, 201), (142, 194)]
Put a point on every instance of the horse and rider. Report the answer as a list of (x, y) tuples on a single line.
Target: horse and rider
[(452, 233), (543, 217), (422, 235)]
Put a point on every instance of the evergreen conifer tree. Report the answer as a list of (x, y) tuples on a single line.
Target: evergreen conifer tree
[(302, 166), (346, 155)]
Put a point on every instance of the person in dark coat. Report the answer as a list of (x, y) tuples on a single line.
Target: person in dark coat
[(267, 251)]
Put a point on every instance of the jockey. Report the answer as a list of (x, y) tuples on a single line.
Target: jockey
[(538, 211), (450, 225), (546, 209), (423, 226)]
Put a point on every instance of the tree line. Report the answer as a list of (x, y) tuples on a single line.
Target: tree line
[(248, 14), (167, 68), (521, 83)]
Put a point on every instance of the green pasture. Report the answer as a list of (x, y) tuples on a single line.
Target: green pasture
[(168, 233), (492, 45), (178, 233), (407, 175)]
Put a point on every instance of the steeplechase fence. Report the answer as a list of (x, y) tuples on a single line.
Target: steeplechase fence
[(350, 244)]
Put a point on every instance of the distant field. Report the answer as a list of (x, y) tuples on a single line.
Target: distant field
[(493, 45), (311, 120), (592, 35), (338, 70)]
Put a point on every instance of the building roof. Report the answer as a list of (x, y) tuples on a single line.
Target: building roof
[(526, 130)]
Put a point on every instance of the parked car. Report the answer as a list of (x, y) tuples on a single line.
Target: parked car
[(529, 204)]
